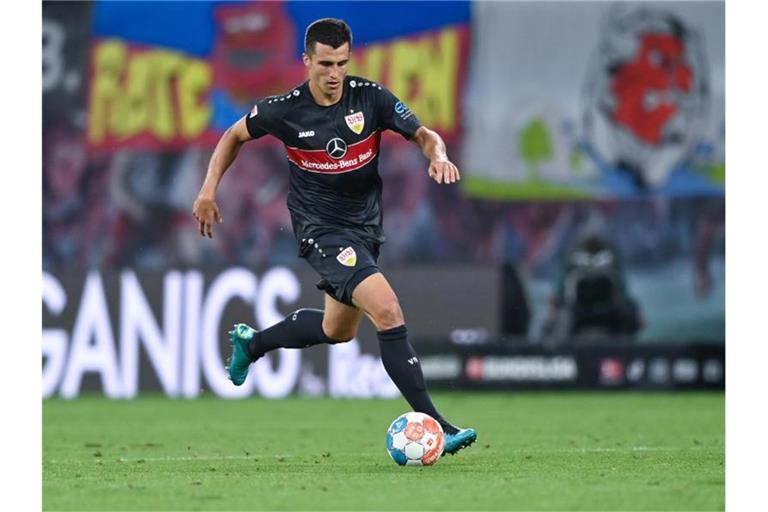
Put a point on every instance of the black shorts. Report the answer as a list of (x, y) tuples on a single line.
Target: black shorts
[(343, 261)]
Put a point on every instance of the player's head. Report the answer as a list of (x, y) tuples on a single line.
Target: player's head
[(327, 44), (329, 32)]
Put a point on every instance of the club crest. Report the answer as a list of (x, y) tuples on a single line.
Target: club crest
[(356, 122), (347, 257)]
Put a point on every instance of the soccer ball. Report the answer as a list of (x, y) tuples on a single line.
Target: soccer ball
[(415, 439)]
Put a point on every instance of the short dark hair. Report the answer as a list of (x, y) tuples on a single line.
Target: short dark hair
[(330, 31)]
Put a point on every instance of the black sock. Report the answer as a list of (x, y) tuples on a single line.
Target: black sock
[(402, 365), (302, 328)]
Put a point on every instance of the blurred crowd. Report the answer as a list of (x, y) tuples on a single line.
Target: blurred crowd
[(133, 208)]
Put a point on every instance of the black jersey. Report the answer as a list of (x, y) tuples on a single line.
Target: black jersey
[(333, 154)]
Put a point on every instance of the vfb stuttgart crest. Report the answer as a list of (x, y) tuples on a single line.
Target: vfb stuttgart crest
[(347, 257), (356, 122)]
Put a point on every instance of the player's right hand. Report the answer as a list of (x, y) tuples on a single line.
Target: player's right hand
[(206, 212)]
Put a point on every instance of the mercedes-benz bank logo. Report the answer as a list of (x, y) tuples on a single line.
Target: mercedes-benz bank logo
[(337, 148)]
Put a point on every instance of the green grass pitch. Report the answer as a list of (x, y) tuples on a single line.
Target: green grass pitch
[(535, 451)]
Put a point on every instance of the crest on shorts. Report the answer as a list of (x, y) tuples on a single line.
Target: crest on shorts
[(356, 122), (347, 257)]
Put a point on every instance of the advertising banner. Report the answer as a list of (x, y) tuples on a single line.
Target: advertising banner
[(122, 332), (611, 364)]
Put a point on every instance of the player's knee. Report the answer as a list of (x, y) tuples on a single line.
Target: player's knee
[(339, 333), (388, 315)]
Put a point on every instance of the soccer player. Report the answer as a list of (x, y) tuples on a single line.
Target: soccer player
[(331, 126)]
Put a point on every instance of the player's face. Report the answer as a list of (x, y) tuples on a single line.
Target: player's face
[(327, 68)]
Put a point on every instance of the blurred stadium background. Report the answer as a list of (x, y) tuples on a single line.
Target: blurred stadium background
[(584, 247)]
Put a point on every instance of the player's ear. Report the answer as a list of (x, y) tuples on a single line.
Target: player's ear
[(307, 60)]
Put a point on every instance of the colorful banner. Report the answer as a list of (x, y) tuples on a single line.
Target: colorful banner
[(168, 75), (611, 100)]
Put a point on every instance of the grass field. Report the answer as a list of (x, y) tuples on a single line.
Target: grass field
[(535, 451)]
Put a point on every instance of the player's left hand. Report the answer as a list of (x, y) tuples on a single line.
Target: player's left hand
[(443, 171)]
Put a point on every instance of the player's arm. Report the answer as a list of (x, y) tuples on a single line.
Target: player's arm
[(205, 209), (395, 115), (432, 146)]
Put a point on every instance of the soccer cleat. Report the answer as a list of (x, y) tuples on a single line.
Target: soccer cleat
[(240, 360), (461, 439)]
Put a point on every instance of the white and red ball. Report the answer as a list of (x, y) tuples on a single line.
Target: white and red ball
[(415, 439)]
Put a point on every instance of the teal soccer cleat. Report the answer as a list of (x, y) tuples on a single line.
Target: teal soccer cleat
[(461, 439), (240, 360)]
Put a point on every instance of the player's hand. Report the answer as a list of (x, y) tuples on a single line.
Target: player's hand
[(443, 171), (206, 212)]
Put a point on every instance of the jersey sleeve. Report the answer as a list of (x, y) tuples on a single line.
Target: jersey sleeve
[(395, 115), (260, 121)]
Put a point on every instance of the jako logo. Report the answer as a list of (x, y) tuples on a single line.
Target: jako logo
[(310, 133), (413, 360)]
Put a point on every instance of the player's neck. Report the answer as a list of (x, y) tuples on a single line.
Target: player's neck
[(323, 99)]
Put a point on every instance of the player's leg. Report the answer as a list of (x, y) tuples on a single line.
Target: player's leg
[(306, 327), (376, 298), (340, 322), (300, 329)]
